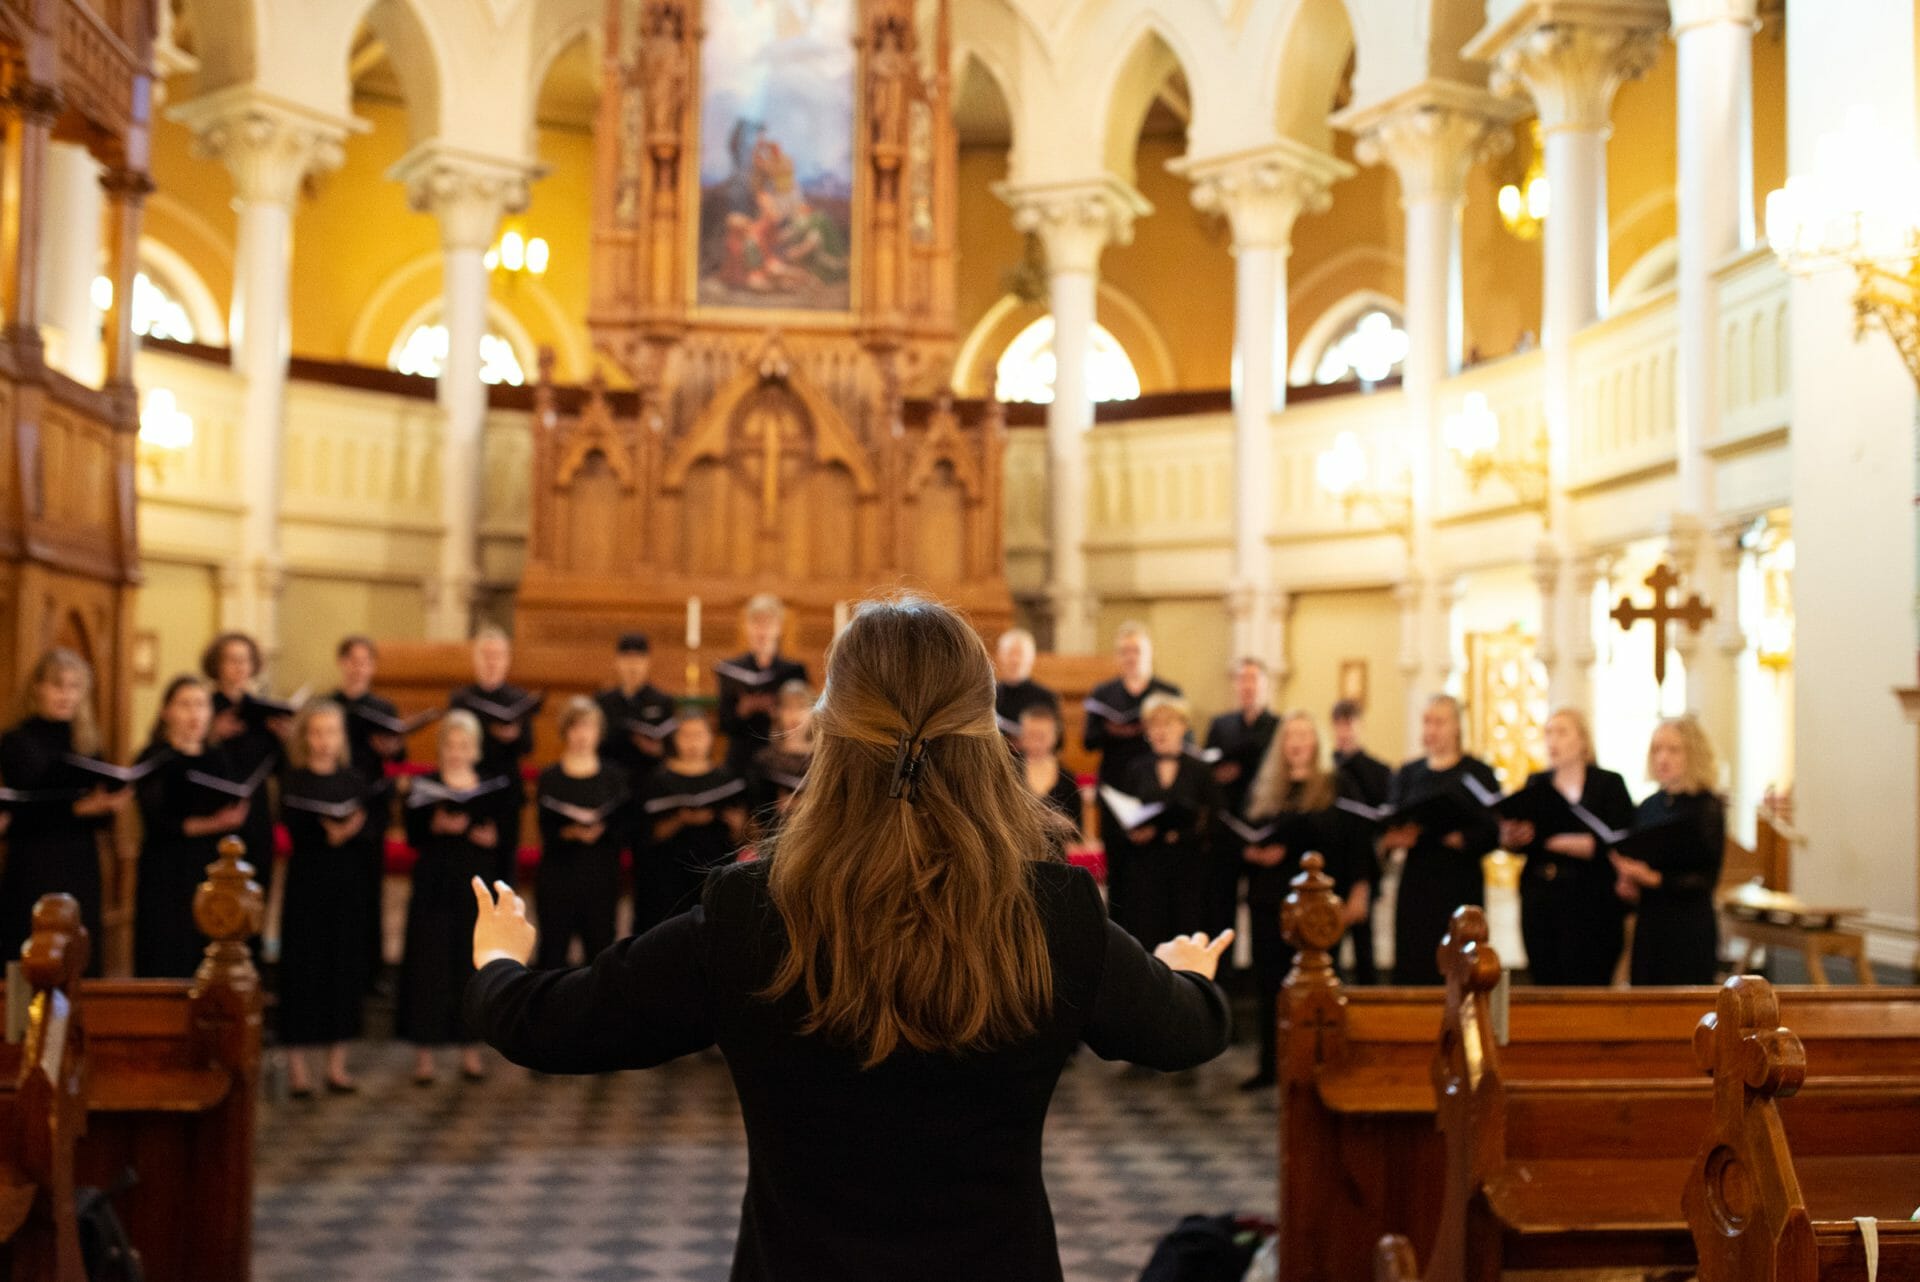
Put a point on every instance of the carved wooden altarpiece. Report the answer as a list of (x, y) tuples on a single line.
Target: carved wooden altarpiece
[(777, 299)]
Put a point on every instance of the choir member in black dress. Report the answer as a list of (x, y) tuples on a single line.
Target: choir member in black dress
[(580, 798), (779, 768), (1241, 737), (505, 743), (1676, 938), (181, 824), (54, 840), (248, 737), (1370, 781), (371, 746), (1289, 812), (454, 840), (1570, 918), (1113, 730), (1441, 870), (750, 683), (332, 812), (698, 812), (639, 717), (1014, 689), (894, 1050), (1047, 778), (1169, 851)]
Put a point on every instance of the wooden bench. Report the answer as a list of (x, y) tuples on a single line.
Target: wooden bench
[(1361, 1156), (169, 1091), (1548, 1174), (1758, 1213), (43, 1104)]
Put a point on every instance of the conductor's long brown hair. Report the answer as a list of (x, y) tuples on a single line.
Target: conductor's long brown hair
[(912, 919)]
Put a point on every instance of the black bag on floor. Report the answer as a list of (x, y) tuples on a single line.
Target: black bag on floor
[(1204, 1248), (106, 1253)]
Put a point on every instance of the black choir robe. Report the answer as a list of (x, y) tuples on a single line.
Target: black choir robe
[(373, 765), (1436, 878), (577, 888), (167, 943), (49, 848), (1242, 745), (1064, 796), (502, 759), (1011, 698), (1371, 782), (926, 1167), (675, 867), (620, 744), (254, 746), (323, 929), (776, 775), (1570, 918), (748, 733), (440, 917), (1676, 938), (1168, 874), (1119, 754)]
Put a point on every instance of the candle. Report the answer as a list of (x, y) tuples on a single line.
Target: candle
[(841, 613), (693, 623)]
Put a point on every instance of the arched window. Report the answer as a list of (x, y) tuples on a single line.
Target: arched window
[(424, 352), (157, 313), (1025, 370), (1370, 349)]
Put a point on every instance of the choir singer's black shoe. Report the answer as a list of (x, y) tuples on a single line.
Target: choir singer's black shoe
[(1261, 1081), (342, 1088), (300, 1092)]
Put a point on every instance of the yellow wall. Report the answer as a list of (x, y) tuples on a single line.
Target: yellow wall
[(1179, 270), (177, 605), (1640, 166), (1356, 243), (1325, 629), (1190, 646), (988, 244), (346, 606), (1500, 285)]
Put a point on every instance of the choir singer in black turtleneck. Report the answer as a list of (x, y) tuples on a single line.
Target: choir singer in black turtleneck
[(896, 987), (1014, 689), (750, 683)]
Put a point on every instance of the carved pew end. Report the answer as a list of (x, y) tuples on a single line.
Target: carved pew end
[(1393, 1260)]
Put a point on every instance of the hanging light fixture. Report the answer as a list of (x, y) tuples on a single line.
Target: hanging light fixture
[(1524, 201), (516, 255)]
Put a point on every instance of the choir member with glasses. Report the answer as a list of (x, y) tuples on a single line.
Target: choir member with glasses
[(1114, 731), (1289, 811), (1570, 919), (580, 798), (251, 736), (1241, 738), (1441, 869), (332, 813), (455, 834), (181, 824), (750, 683), (505, 712), (1371, 780), (896, 989), (53, 838), (1048, 779), (1014, 689), (1676, 937)]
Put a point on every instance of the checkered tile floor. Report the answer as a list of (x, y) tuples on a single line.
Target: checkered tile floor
[(639, 1176)]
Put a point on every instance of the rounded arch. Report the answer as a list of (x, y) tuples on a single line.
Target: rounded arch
[(413, 289), (525, 350), (979, 352), (177, 275), (1330, 325), (1648, 274)]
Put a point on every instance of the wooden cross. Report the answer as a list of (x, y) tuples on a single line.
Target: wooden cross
[(1694, 612)]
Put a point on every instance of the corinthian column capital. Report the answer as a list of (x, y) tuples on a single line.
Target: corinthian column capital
[(1571, 55), (468, 193), (1431, 135), (268, 144), (1261, 192), (1075, 220)]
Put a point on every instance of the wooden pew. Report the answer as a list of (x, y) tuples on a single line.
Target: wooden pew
[(174, 1073), (1361, 1156), (1755, 1212), (43, 1104)]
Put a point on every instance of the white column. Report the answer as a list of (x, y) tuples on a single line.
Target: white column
[(1571, 67), (1431, 135), (1713, 40), (69, 260), (1074, 221), (468, 195), (1853, 514), (1261, 193), (269, 147)]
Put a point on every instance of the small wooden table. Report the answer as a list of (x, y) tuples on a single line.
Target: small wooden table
[(1768, 919)]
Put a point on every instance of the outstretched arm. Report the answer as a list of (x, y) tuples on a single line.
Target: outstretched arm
[(640, 1003), (1150, 1013)]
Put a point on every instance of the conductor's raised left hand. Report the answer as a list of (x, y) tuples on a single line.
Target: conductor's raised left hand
[(501, 930)]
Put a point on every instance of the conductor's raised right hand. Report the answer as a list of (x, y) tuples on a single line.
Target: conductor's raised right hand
[(1194, 952)]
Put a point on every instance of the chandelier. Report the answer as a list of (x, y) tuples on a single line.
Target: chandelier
[(516, 255), (1523, 202)]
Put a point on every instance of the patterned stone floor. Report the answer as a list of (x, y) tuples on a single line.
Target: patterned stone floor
[(638, 1176)]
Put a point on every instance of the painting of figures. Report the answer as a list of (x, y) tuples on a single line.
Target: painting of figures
[(776, 154)]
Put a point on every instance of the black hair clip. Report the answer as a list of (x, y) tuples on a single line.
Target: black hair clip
[(907, 757)]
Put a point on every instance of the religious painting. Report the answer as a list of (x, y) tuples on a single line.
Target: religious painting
[(776, 154)]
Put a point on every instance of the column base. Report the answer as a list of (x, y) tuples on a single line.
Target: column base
[(1071, 613)]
